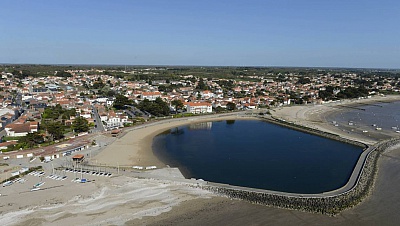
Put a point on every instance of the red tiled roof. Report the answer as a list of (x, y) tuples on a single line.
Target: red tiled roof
[(151, 93), (8, 143), (192, 104), (78, 156), (19, 128)]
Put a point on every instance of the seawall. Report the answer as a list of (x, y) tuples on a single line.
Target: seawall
[(313, 131)]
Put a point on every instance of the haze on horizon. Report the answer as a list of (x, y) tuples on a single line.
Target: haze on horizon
[(361, 34)]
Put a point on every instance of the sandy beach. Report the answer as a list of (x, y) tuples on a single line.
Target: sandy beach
[(164, 197), (103, 201), (134, 147), (125, 197)]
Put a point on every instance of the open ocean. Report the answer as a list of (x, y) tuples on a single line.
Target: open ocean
[(257, 154)]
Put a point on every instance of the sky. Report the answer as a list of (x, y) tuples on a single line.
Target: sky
[(297, 33)]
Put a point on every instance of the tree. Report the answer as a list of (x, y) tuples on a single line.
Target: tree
[(164, 108), (157, 107), (178, 104), (63, 74), (98, 85), (110, 93), (32, 139), (11, 147), (281, 78), (202, 85), (219, 109), (303, 80), (121, 101), (56, 130), (230, 106), (53, 113), (80, 125)]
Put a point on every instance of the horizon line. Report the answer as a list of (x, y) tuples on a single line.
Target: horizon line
[(209, 66)]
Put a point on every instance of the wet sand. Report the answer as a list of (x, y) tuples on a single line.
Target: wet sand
[(319, 117)]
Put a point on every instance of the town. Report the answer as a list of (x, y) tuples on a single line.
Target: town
[(42, 105)]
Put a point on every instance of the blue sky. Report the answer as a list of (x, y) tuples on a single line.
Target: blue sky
[(309, 33)]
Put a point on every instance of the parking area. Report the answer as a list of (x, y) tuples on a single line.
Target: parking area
[(42, 180), (88, 172)]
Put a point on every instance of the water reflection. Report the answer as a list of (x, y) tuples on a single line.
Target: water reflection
[(177, 131), (230, 122), (201, 126)]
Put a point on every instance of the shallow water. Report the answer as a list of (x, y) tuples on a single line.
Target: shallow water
[(257, 154), (385, 116), (378, 121)]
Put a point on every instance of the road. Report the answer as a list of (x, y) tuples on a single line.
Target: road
[(98, 124)]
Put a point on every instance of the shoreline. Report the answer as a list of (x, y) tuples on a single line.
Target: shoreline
[(135, 146)]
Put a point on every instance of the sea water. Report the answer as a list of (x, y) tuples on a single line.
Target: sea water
[(384, 116)]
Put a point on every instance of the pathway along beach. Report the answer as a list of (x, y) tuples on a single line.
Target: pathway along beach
[(126, 200)]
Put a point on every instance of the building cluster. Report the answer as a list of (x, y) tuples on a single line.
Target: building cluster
[(89, 91)]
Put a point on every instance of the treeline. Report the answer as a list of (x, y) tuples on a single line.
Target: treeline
[(173, 73), (54, 118), (31, 140), (350, 92), (157, 107)]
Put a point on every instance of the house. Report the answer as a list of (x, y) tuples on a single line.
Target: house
[(103, 116), (6, 119), (150, 95), (206, 94), (110, 102), (7, 115), (116, 119), (21, 129), (101, 99), (86, 114), (198, 108)]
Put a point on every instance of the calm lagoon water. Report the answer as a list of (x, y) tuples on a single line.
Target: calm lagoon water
[(257, 154)]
